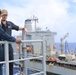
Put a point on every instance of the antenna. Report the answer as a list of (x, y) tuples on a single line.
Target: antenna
[(35, 19)]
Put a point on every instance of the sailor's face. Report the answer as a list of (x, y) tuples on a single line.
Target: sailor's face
[(4, 16)]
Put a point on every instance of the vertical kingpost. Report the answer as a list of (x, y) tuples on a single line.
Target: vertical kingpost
[(44, 56), (21, 62), (6, 58), (24, 52)]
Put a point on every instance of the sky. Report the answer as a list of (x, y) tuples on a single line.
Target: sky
[(57, 15)]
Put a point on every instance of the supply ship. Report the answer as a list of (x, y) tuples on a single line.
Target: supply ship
[(56, 62)]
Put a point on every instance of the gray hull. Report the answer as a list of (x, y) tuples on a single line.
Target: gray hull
[(52, 69)]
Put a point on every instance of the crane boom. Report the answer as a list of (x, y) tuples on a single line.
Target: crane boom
[(62, 39)]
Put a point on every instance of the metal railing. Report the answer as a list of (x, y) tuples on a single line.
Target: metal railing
[(6, 62)]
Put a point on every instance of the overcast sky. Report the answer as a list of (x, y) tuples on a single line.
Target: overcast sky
[(58, 15)]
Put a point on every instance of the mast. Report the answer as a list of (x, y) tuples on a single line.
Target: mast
[(35, 19)]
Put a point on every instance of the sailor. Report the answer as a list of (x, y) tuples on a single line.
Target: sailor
[(5, 36), (8, 26)]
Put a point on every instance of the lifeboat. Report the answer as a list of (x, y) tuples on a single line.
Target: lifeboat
[(52, 59), (28, 49), (54, 47), (17, 48)]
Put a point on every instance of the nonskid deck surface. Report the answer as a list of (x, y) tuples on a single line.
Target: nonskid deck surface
[(17, 71)]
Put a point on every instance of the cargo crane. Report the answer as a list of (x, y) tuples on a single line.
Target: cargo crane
[(61, 42)]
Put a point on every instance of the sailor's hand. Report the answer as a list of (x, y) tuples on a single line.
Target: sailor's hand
[(25, 31), (18, 41)]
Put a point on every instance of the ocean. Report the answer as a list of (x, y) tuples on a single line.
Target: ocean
[(67, 47), (29, 71), (17, 71)]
